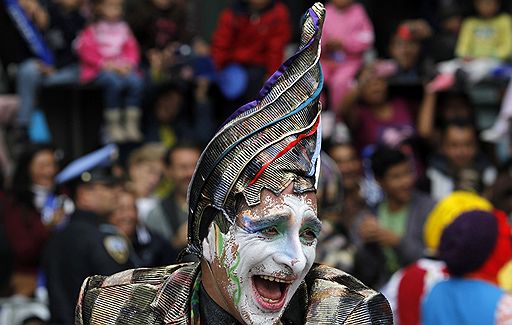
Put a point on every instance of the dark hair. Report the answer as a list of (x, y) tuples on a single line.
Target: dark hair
[(95, 4), (182, 145), (449, 10), (458, 123), (501, 7), (383, 158), (21, 183), (444, 96), (343, 144), (447, 97)]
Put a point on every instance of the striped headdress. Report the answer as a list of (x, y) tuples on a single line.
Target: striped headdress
[(267, 143)]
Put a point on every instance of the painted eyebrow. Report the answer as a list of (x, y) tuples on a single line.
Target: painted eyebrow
[(314, 223), (253, 226)]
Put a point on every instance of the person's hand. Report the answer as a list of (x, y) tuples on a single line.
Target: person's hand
[(120, 68), (155, 59), (29, 6), (116, 69), (35, 12), (124, 69), (202, 86), (108, 66), (57, 217), (23, 284), (369, 229), (387, 238), (367, 74), (201, 48), (45, 69), (439, 83)]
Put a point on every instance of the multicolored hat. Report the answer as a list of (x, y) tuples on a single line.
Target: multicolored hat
[(447, 210), (268, 143)]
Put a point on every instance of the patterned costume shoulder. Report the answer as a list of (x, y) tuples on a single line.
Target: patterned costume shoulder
[(139, 296), (335, 297), (162, 296)]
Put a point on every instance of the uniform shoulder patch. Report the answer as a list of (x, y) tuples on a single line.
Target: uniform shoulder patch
[(118, 248)]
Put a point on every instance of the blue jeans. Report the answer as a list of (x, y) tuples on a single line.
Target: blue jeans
[(115, 86), (28, 81)]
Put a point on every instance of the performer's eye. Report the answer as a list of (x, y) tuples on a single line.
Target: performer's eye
[(308, 236), (270, 231)]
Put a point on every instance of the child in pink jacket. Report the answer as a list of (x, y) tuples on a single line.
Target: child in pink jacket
[(109, 57), (347, 34)]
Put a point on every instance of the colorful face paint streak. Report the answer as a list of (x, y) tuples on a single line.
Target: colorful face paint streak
[(233, 277), (220, 240)]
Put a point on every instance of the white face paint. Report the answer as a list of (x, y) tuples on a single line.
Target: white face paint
[(259, 264)]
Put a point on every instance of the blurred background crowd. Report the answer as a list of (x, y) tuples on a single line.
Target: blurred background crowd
[(416, 132)]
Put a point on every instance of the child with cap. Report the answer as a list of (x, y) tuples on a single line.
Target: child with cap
[(475, 246)]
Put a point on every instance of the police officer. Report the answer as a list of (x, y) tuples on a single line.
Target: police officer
[(88, 245)]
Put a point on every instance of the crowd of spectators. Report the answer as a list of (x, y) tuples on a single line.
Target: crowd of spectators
[(416, 108)]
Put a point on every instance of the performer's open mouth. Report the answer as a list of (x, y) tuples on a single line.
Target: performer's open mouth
[(270, 291)]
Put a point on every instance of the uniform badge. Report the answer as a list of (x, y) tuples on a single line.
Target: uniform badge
[(117, 247)]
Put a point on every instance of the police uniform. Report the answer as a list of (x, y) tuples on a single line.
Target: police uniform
[(87, 246)]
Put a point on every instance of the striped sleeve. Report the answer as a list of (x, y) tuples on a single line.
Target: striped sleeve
[(504, 311)]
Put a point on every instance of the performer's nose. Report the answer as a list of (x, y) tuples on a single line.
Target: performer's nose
[(291, 255)]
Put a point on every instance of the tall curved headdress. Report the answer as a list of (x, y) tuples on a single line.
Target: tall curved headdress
[(267, 143)]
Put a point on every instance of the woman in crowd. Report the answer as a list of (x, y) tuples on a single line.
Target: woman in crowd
[(31, 213)]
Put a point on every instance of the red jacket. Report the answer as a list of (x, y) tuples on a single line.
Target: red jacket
[(245, 39)]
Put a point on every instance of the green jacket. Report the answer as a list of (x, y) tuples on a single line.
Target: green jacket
[(163, 296)]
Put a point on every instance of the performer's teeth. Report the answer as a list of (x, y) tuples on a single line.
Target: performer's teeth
[(272, 301), (271, 278)]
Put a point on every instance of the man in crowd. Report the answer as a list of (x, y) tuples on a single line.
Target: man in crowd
[(460, 164), (88, 245), (393, 235), (252, 222), (150, 249), (169, 218), (351, 168)]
